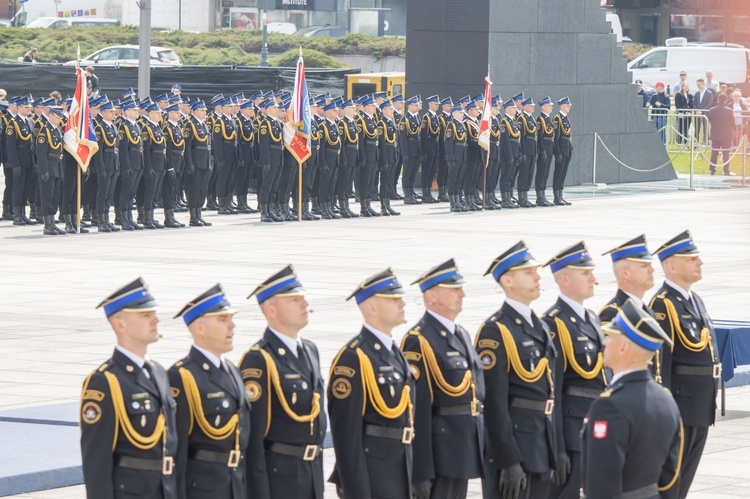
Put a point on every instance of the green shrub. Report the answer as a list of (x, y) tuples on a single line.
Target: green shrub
[(313, 59)]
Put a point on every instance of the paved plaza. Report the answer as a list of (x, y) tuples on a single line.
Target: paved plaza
[(51, 336)]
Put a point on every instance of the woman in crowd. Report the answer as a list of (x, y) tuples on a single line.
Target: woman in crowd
[(31, 55), (683, 101)]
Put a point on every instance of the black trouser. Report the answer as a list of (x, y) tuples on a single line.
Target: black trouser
[(169, 190), (8, 192), (23, 186), (308, 179), (542, 172), (526, 172), (395, 172), (151, 187), (48, 195), (366, 178), (374, 183), (325, 190), (211, 182), (128, 188), (683, 127), (445, 487), (493, 175), (70, 180), (507, 172), (698, 128), (473, 158), (385, 181), (429, 167), (411, 165), (224, 179), (537, 485), (90, 186), (241, 181), (442, 173), (197, 186), (105, 189), (456, 177), (344, 181), (561, 170), (285, 179), (270, 184), (139, 190), (694, 438), (572, 487)]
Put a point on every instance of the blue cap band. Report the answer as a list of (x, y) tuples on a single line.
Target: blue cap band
[(434, 281), (634, 336), (202, 307), (667, 252), (120, 303), (575, 257), (624, 253), (506, 264), (271, 291), (368, 292)]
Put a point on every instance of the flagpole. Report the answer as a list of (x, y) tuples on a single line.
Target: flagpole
[(299, 194), (489, 144), (78, 172)]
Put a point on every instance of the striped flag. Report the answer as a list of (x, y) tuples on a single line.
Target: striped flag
[(79, 138), (484, 126), (297, 125)]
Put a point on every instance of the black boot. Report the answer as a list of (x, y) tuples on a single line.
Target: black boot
[(86, 214), (212, 204), (139, 219), (370, 208), (135, 224), (69, 227), (195, 219), (155, 221), (199, 212), (351, 213), (118, 218), (265, 216), (315, 207), (541, 199), (565, 201), (102, 226), (148, 223), (169, 220), (363, 211), (125, 218), (7, 213), (26, 219), (557, 200), (383, 210), (17, 219), (82, 229), (443, 195), (32, 212), (334, 213), (523, 200), (242, 206), (48, 229), (112, 227), (391, 211)]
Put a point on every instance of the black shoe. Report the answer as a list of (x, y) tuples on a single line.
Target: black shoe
[(195, 220), (349, 211), (370, 209), (103, 226), (391, 211), (200, 217)]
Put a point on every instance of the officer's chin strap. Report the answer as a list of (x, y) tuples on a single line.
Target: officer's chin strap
[(372, 392), (273, 377)]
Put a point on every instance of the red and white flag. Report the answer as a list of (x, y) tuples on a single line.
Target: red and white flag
[(484, 126), (297, 125), (79, 138)]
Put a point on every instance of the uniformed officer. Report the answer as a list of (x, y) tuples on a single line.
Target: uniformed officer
[(371, 397), (19, 140), (175, 159), (387, 157), (580, 377), (398, 116), (328, 160), (545, 147), (454, 142), (563, 150), (518, 358), (197, 161), (127, 413), (473, 156), (271, 151), (430, 146), (529, 152), (444, 116), (510, 154), (107, 165), (213, 412), (154, 162), (632, 435), (225, 155), (246, 156), (411, 148), (493, 166), (7, 110), (310, 166), (448, 421), (690, 368), (283, 382), (49, 147), (130, 147), (350, 161), (369, 151)]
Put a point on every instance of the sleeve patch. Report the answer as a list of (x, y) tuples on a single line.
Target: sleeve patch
[(94, 395), (91, 413), (489, 344), (413, 356), (252, 373), (41, 139), (175, 392), (344, 371), (600, 430), (414, 371), (341, 388), (660, 316), (488, 359), (254, 390)]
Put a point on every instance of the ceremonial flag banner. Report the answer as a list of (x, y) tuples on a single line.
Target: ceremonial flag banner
[(297, 124), (484, 126), (79, 138)]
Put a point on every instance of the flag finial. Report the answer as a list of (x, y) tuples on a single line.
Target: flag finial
[(300, 50)]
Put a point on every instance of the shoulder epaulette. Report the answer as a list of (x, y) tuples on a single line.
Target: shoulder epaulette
[(354, 344), (553, 312), (104, 367)]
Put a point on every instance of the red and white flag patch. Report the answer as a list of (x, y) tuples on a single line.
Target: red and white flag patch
[(600, 429)]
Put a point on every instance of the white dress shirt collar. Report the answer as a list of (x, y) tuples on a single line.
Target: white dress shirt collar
[(216, 361), (386, 339), (137, 359), (578, 308), (522, 309), (290, 343), (447, 323), (684, 292)]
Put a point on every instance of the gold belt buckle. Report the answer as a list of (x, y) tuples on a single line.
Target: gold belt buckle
[(549, 406), (167, 465), (311, 452), (717, 371), (408, 435), (474, 407), (234, 458)]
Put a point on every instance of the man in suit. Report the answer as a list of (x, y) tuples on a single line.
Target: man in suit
[(690, 368), (529, 151), (721, 118), (703, 100), (580, 376), (213, 412), (518, 358), (370, 399), (174, 164), (127, 413), (282, 379), (130, 149), (448, 421), (387, 157), (224, 143), (632, 434), (154, 161), (546, 148), (329, 159)]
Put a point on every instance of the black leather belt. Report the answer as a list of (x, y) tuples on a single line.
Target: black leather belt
[(577, 391), (551, 139), (460, 410), (231, 458), (544, 406), (204, 148), (713, 371), (642, 492), (135, 463), (405, 435), (160, 151), (113, 149), (55, 156), (275, 147), (304, 452)]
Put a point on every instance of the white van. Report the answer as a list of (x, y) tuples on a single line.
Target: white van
[(66, 22), (730, 65)]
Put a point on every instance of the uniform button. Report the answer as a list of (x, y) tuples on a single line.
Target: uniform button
[(367, 449)]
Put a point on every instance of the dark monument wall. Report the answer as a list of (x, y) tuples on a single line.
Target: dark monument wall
[(541, 47)]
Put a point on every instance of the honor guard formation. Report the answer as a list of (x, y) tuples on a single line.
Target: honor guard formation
[(171, 152), (566, 404)]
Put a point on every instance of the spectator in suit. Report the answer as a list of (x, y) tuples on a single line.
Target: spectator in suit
[(721, 119), (683, 101), (642, 92), (703, 100)]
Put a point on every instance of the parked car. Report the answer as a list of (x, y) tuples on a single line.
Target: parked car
[(4, 23), (127, 55), (327, 30), (285, 28), (67, 22)]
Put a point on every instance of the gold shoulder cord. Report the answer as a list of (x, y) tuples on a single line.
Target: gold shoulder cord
[(195, 133), (328, 137), (151, 136), (366, 131), (372, 393), (390, 140), (409, 130), (526, 125), (49, 141), (543, 123), (428, 118), (457, 134), (415, 332), (130, 137), (273, 379), (563, 129), (700, 345), (122, 421), (274, 138), (246, 138), (104, 137), (679, 460), (569, 354), (431, 366), (472, 128), (513, 133), (349, 139), (492, 131), (18, 132), (224, 132), (515, 360), (179, 143)]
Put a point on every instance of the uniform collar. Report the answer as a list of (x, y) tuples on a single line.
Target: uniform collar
[(218, 362), (578, 308), (684, 292), (638, 301), (290, 343), (449, 324), (137, 359), (564, 114), (386, 339), (621, 374), (523, 310)]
